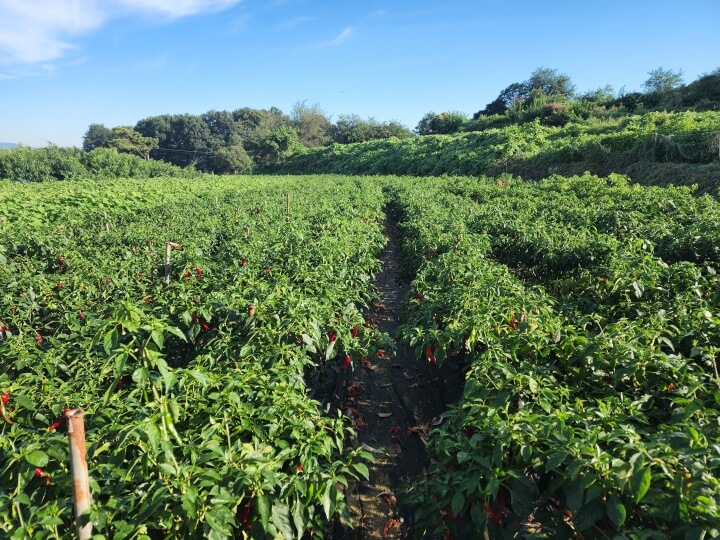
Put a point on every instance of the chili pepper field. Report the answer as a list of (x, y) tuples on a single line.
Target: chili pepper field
[(585, 311)]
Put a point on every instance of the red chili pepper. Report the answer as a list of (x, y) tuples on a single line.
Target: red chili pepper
[(81, 315), (243, 262), (347, 362), (5, 399), (146, 299), (198, 272), (205, 326), (59, 285), (419, 297), (430, 354), (40, 473), (59, 421), (299, 468), (354, 331), (671, 387), (108, 281), (512, 322), (39, 339), (333, 337), (394, 430)]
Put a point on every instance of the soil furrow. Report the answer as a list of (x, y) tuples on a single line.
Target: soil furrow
[(391, 395)]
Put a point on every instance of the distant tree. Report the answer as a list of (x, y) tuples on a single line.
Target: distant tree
[(393, 128), (350, 128), (224, 130), (311, 123), (277, 145), (545, 82), (232, 159), (183, 139), (600, 95), (159, 127), (703, 93), (126, 139), (663, 80), (443, 123), (97, 136), (553, 84)]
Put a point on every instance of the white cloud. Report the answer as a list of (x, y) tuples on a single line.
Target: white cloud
[(344, 36), (178, 8), (291, 23), (41, 30)]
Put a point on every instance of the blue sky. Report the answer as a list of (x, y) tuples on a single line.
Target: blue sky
[(65, 64)]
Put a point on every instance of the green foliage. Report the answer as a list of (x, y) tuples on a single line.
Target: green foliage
[(97, 136), (311, 123), (537, 147), (277, 146), (352, 129), (232, 159), (197, 416), (590, 342), (109, 163), (23, 164), (663, 80), (126, 139), (441, 124), (548, 82)]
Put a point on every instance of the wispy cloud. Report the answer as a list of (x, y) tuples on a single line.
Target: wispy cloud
[(44, 30), (344, 36), (296, 21)]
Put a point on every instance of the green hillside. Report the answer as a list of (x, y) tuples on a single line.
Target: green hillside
[(656, 148)]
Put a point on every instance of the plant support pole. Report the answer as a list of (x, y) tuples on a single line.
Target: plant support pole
[(168, 246), (79, 471)]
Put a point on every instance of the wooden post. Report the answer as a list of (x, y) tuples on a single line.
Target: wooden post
[(168, 246), (167, 263), (79, 471)]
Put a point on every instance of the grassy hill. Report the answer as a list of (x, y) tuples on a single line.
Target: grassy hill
[(657, 148)]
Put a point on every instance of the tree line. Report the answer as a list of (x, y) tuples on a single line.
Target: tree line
[(262, 140), (240, 140), (551, 97)]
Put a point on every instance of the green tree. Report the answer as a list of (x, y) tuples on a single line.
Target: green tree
[(232, 159), (544, 83), (443, 123), (557, 86), (126, 139), (663, 80), (97, 136), (311, 123), (278, 145)]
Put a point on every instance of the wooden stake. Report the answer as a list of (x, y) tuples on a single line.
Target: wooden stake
[(168, 246), (79, 471), (167, 263)]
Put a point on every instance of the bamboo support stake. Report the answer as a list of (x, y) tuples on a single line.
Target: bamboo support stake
[(79, 471), (168, 246)]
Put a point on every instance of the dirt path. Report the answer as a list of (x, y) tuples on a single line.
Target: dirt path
[(389, 395)]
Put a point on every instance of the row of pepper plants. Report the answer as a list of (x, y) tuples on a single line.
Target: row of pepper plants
[(587, 312), (195, 392)]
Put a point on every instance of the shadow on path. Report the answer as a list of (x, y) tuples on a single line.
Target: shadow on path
[(389, 395)]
